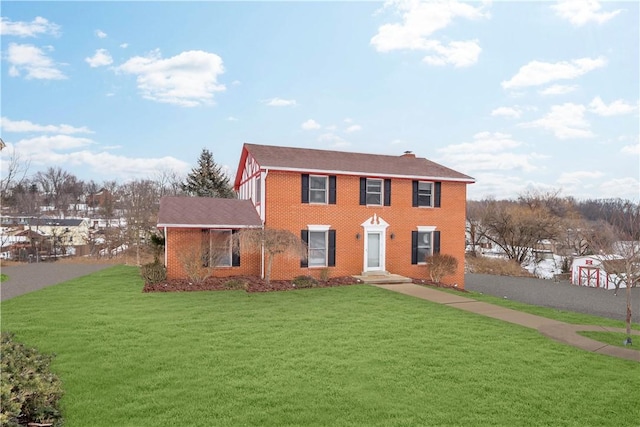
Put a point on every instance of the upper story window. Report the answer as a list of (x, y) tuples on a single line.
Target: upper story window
[(374, 192), (319, 189), (426, 194)]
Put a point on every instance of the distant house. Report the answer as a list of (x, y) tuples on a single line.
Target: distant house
[(358, 213), (589, 271)]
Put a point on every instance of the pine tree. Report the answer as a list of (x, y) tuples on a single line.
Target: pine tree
[(208, 179)]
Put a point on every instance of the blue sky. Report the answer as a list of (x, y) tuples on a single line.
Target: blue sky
[(519, 95)]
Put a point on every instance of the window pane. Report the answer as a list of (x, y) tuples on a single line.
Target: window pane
[(220, 248), (317, 248), (374, 192), (424, 246), (318, 182), (318, 189), (424, 193)]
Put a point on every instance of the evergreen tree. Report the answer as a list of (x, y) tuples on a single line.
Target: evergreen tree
[(208, 179)]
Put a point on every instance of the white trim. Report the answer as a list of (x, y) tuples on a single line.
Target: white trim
[(377, 225), (426, 228), (317, 227), (371, 174)]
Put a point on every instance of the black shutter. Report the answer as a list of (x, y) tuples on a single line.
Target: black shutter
[(436, 242), (414, 246), (332, 189), (304, 235), (331, 255), (436, 196), (387, 192), (305, 188), (363, 191), (235, 255), (414, 202)]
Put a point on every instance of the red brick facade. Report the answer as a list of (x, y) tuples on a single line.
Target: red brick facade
[(285, 210)]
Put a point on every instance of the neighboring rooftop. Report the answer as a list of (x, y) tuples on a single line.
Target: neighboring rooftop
[(197, 212), (308, 159)]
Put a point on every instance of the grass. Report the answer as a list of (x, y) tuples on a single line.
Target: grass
[(611, 338), (3, 277), (345, 356)]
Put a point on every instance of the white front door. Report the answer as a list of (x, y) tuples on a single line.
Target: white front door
[(373, 251)]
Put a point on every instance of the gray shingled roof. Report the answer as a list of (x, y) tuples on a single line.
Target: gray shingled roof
[(310, 160), (197, 212)]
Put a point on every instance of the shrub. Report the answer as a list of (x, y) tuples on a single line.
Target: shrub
[(325, 273), (154, 272), (499, 266), (441, 265), (196, 264), (305, 282), (29, 392)]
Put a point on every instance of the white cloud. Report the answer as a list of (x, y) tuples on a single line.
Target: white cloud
[(124, 45), (17, 126), (578, 177), (188, 79), (624, 188), (348, 120), (397, 141), (310, 125), (558, 89), (28, 29), (580, 12), (100, 34), (31, 60), (457, 53), (537, 73), (488, 152), (72, 151), (232, 119), (333, 140), (279, 102), (631, 149), (353, 128), (512, 112), (101, 58), (565, 121), (617, 107), (236, 83), (419, 21)]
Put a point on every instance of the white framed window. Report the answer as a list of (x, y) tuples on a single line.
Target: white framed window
[(219, 250), (425, 193), (317, 247), (374, 192), (425, 245), (318, 189)]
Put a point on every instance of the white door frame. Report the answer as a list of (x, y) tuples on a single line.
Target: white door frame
[(378, 226)]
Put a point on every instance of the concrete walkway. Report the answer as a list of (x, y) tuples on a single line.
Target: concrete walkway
[(559, 331)]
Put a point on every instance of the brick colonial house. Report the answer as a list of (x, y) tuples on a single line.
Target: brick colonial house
[(358, 213)]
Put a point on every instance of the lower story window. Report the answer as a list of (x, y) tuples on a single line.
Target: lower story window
[(424, 246), (317, 248), (218, 250)]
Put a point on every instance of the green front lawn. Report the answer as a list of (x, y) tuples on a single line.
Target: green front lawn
[(346, 356)]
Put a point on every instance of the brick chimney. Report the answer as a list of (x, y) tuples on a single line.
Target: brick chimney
[(408, 154)]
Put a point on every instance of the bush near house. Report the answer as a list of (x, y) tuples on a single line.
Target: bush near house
[(29, 392)]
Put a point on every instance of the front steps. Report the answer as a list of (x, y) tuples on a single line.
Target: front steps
[(382, 277)]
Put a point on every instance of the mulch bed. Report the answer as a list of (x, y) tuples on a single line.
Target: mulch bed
[(247, 283)]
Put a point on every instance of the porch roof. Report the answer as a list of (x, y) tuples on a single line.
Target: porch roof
[(207, 212)]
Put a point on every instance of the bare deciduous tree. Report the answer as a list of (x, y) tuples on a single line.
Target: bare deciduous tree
[(15, 172), (140, 207), (274, 242)]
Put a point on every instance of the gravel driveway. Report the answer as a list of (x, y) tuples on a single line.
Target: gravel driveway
[(31, 277), (559, 295)]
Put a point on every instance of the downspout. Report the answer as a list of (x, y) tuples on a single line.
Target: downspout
[(165, 245), (263, 214)]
